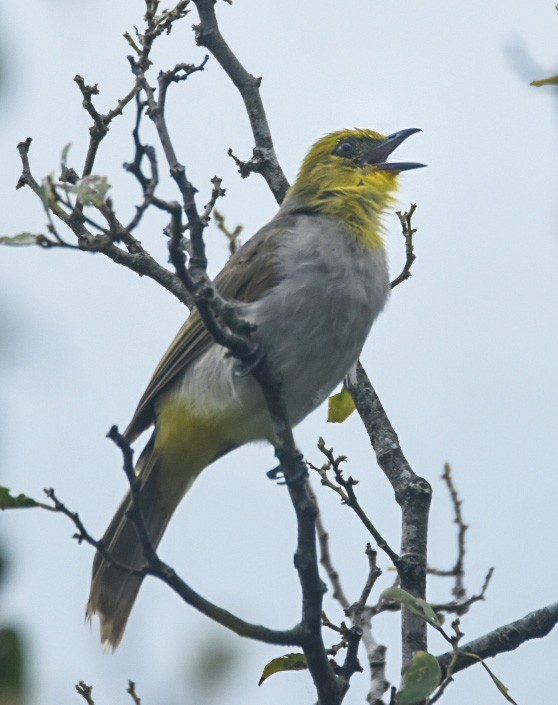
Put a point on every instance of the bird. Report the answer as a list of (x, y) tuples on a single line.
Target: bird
[(311, 282)]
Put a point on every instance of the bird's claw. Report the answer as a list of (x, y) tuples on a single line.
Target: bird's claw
[(249, 364)]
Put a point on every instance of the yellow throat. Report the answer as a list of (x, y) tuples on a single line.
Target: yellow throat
[(345, 176)]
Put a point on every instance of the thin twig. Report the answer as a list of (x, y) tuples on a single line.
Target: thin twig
[(231, 235), (101, 123), (457, 571), (463, 606), (209, 36), (216, 193), (360, 615), (131, 690), (83, 535), (86, 692), (140, 262), (154, 566), (345, 489), (408, 232), (361, 618), (448, 676), (325, 559), (134, 512)]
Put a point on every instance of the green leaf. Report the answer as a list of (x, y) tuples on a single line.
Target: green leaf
[(417, 605), (91, 190), (19, 240), (11, 666), (288, 662), (420, 680), (64, 156), (551, 81), (497, 682), (47, 193), (340, 406), (19, 502)]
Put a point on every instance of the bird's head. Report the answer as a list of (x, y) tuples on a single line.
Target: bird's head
[(347, 175), (346, 156)]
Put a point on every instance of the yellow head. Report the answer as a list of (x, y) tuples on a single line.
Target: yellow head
[(345, 175)]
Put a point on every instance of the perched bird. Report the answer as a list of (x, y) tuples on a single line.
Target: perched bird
[(312, 281)]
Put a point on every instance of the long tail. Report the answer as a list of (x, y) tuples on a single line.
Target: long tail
[(113, 591)]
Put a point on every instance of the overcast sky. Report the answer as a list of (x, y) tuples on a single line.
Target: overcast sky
[(464, 357)]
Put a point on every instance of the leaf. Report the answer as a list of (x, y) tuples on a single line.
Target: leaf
[(11, 666), (19, 502), (288, 662), (497, 682), (417, 605), (91, 190), (64, 156), (47, 193), (128, 37), (19, 240), (420, 680), (340, 406), (552, 80)]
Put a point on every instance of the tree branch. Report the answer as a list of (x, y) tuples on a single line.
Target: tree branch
[(508, 637), (264, 160), (408, 232), (345, 489), (412, 493), (159, 569), (101, 123)]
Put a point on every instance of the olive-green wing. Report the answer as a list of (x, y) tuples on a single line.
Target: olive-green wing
[(247, 275)]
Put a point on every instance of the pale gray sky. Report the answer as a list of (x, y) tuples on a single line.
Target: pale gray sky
[(464, 358)]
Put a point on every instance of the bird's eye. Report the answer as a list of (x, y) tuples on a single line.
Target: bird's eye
[(346, 149)]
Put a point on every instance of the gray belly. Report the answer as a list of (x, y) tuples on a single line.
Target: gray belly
[(315, 322)]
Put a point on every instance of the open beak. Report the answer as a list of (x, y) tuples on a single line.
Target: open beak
[(380, 152)]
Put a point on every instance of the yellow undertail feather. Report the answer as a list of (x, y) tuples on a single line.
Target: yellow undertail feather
[(168, 466)]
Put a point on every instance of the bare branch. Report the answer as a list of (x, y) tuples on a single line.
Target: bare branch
[(156, 112), (179, 73), (101, 123), (26, 178), (412, 493), (82, 534), (460, 607), (131, 690), (86, 692), (345, 489), (216, 193), (361, 616), (457, 571), (265, 160), (134, 512), (139, 261), (508, 637), (373, 574), (156, 567), (325, 560), (448, 676), (408, 232)]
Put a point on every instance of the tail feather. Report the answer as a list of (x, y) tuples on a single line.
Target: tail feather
[(113, 591), (179, 449)]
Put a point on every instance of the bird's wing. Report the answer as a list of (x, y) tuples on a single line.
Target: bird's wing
[(247, 275)]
